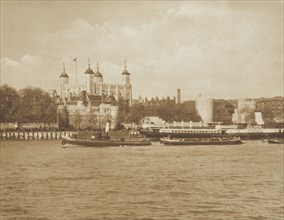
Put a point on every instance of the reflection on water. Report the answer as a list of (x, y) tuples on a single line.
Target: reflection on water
[(43, 180)]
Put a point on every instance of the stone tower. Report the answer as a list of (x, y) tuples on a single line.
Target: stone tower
[(98, 76), (89, 80), (127, 91), (64, 81), (98, 82), (204, 107), (125, 75)]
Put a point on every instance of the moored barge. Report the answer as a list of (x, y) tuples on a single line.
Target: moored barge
[(201, 141)]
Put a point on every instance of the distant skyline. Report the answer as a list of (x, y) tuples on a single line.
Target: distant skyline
[(222, 49)]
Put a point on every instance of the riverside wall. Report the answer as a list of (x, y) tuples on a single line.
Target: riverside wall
[(36, 135)]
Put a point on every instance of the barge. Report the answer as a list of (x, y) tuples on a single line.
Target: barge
[(201, 141), (245, 134)]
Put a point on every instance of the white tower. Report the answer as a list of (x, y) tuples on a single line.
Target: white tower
[(64, 81), (89, 80)]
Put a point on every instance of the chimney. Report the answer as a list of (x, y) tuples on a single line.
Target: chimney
[(84, 97), (178, 100)]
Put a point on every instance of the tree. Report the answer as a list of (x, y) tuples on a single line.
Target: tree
[(123, 109), (9, 103), (268, 115), (165, 112), (136, 113), (223, 111), (63, 118), (36, 106), (177, 112)]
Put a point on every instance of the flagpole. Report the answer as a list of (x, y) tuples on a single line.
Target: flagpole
[(76, 73)]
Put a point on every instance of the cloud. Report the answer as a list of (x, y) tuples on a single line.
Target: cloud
[(9, 63), (194, 59), (189, 45), (25, 71), (29, 59), (25, 62), (197, 10)]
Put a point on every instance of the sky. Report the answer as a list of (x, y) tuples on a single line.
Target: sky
[(221, 49)]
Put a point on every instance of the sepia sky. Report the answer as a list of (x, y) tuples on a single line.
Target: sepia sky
[(222, 49)]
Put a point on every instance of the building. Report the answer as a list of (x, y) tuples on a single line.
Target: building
[(89, 111), (156, 101), (92, 111), (96, 103), (95, 85)]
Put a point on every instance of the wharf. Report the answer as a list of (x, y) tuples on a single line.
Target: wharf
[(36, 135)]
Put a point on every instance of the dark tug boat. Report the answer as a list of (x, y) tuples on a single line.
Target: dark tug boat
[(104, 143)]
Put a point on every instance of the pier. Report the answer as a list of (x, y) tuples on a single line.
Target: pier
[(36, 135)]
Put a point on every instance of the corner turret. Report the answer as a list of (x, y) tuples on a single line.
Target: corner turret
[(89, 79), (98, 76), (125, 75), (64, 81)]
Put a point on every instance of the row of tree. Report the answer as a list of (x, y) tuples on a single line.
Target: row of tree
[(168, 112), (28, 105)]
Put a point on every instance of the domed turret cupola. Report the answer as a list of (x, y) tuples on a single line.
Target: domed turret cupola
[(98, 75), (125, 75), (64, 80), (64, 74), (89, 70), (89, 79)]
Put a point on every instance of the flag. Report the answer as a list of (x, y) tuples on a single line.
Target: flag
[(75, 59)]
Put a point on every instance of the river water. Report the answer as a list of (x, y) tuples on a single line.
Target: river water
[(42, 180)]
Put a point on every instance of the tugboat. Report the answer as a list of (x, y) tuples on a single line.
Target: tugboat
[(103, 140)]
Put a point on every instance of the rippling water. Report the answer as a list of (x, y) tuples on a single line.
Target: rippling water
[(42, 180)]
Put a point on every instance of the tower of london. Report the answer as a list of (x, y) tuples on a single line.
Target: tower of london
[(94, 85), (96, 102)]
